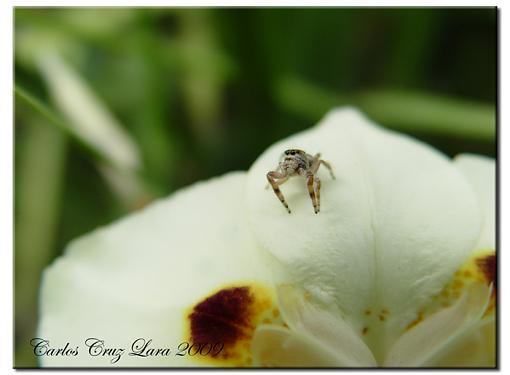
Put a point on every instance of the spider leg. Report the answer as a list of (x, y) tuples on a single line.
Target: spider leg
[(277, 169), (272, 178), (318, 192), (315, 162), (311, 191), (327, 165)]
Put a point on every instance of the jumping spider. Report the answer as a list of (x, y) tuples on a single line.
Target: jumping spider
[(295, 162)]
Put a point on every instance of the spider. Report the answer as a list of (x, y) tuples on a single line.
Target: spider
[(295, 162)]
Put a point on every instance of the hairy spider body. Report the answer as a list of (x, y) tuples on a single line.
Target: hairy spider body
[(296, 162)]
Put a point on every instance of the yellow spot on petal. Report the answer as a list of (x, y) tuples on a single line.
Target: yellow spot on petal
[(467, 273), (479, 268), (416, 321), (457, 284)]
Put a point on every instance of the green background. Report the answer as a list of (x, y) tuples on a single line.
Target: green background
[(205, 91)]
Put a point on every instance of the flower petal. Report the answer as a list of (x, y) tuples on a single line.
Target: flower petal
[(303, 316), (275, 346), (480, 171), (476, 348), (139, 277), (429, 342), (395, 224)]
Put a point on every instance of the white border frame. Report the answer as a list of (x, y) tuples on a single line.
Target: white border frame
[(6, 139)]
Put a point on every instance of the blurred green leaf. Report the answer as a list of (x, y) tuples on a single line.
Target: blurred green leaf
[(53, 118), (133, 195), (404, 110), (413, 47), (90, 120), (429, 113), (39, 173), (204, 72), (87, 117)]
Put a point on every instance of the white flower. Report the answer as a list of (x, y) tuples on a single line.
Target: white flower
[(394, 271)]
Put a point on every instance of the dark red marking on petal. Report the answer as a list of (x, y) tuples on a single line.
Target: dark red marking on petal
[(222, 317), (487, 265), (228, 317)]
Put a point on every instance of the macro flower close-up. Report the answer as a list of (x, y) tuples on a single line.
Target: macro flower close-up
[(255, 187), (396, 270)]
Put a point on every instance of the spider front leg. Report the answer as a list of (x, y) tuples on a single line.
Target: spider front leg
[(277, 169), (318, 192), (271, 177), (311, 191), (328, 166)]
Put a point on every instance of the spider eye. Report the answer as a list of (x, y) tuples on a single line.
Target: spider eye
[(287, 152), (293, 152)]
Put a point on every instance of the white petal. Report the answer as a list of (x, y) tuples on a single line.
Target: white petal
[(274, 346), (480, 171), (393, 227), (330, 329), (430, 341), (137, 277), (476, 348)]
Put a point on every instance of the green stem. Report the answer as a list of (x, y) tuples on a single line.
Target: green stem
[(41, 108)]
